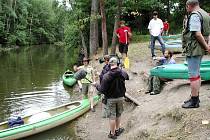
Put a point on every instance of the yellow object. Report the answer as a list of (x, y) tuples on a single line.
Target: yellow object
[(126, 63)]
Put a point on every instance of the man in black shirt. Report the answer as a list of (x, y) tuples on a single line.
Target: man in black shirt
[(113, 87)]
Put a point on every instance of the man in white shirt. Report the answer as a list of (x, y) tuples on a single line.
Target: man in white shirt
[(155, 29)]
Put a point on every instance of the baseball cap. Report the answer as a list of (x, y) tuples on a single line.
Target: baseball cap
[(155, 13), (113, 61), (122, 22), (85, 59), (192, 2), (106, 57)]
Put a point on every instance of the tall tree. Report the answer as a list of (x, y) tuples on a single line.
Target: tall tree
[(103, 28), (94, 28), (117, 18)]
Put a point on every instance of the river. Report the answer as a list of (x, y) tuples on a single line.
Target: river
[(30, 81)]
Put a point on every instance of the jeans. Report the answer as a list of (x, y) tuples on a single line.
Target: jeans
[(152, 44)]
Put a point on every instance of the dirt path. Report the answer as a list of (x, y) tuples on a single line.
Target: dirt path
[(159, 117)]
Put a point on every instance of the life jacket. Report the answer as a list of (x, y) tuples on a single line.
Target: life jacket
[(190, 45)]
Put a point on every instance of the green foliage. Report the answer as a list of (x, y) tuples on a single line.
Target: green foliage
[(139, 38), (25, 22), (72, 37), (19, 38), (31, 22), (78, 20)]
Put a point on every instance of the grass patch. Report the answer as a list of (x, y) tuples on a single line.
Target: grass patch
[(136, 38)]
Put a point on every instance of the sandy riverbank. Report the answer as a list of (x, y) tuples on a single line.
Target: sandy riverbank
[(158, 117)]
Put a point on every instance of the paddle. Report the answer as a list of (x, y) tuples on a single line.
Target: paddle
[(126, 61)]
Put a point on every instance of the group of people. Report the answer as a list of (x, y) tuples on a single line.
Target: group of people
[(111, 85), (195, 40)]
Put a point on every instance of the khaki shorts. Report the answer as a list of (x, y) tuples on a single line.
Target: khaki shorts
[(114, 108), (87, 90)]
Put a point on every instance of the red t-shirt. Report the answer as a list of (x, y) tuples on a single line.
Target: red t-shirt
[(123, 33), (165, 26)]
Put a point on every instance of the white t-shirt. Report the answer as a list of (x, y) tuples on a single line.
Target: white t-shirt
[(155, 26)]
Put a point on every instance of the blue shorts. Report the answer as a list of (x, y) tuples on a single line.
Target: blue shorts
[(194, 66)]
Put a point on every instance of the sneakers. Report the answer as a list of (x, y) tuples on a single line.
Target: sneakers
[(93, 110), (112, 136), (119, 131), (154, 93), (193, 102), (147, 91), (154, 58), (190, 100)]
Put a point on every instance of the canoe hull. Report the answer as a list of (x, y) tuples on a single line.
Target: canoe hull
[(55, 120), (174, 47), (68, 79), (180, 71), (171, 37)]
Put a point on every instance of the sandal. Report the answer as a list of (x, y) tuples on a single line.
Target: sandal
[(119, 131), (112, 136)]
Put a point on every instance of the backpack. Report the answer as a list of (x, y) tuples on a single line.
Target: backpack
[(15, 121)]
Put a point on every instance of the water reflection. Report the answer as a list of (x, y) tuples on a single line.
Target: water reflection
[(30, 80), (26, 103)]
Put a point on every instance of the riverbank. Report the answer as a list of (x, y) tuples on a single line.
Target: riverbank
[(7, 49), (159, 117)]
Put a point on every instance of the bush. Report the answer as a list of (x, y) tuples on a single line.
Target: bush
[(140, 38)]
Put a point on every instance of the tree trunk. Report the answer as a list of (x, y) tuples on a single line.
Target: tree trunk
[(94, 28), (168, 9), (103, 26), (117, 18), (83, 43), (14, 17), (30, 28), (8, 24)]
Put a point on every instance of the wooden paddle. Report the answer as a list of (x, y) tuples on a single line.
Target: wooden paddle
[(126, 61)]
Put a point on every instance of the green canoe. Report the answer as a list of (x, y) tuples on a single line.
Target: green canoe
[(180, 71), (36, 123), (68, 78), (174, 41), (174, 47), (171, 37)]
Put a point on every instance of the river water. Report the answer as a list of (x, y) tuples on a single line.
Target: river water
[(30, 81)]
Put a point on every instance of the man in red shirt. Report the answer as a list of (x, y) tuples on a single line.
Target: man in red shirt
[(124, 35), (165, 27)]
